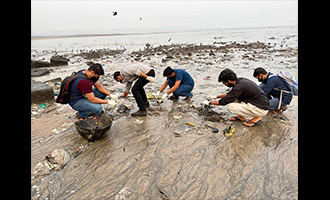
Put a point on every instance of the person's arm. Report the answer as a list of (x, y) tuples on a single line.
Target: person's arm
[(101, 88), (174, 88), (161, 89), (93, 99), (143, 75)]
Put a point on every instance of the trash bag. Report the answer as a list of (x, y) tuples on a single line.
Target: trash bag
[(94, 128)]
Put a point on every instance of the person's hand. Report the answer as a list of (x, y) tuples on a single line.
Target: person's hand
[(211, 97), (113, 97), (157, 94), (150, 78), (112, 103), (206, 102), (164, 96)]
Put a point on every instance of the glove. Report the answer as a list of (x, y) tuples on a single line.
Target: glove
[(112, 103), (113, 97), (157, 94), (206, 102), (164, 95), (211, 97), (150, 78)]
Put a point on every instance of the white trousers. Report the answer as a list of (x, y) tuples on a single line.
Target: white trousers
[(246, 110)]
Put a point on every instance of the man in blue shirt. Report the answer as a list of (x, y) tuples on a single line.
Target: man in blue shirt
[(180, 82), (272, 86)]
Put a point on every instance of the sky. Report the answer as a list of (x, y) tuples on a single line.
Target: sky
[(97, 16)]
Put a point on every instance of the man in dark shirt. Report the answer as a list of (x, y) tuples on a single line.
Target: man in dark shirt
[(82, 97), (252, 102), (272, 86)]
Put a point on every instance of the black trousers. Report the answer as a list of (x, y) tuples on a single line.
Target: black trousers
[(138, 90)]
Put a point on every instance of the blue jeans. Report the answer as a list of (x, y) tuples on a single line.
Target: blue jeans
[(183, 90), (84, 106)]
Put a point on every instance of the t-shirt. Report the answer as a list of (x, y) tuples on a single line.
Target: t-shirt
[(180, 75), (247, 91), (80, 87)]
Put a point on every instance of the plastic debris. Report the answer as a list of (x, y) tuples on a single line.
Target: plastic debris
[(43, 105), (138, 121), (191, 124), (177, 117), (228, 132)]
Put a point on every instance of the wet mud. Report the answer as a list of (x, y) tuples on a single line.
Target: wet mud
[(174, 152)]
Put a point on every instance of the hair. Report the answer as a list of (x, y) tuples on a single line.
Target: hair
[(168, 71), (258, 71), (116, 74), (97, 68), (226, 75)]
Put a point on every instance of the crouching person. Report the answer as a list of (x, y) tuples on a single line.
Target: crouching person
[(83, 98), (252, 102)]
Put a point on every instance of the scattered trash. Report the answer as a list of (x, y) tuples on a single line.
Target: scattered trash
[(207, 78), (214, 130), (57, 159), (177, 117), (191, 124), (114, 13), (124, 194), (138, 121), (43, 105), (228, 132)]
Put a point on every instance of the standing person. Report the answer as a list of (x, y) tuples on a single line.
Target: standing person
[(252, 102), (130, 73), (180, 83), (83, 98), (272, 86)]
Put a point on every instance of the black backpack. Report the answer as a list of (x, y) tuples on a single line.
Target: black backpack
[(64, 96)]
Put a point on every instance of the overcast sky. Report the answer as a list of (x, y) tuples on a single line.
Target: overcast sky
[(82, 15)]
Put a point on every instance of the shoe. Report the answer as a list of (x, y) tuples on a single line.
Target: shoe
[(147, 104), (139, 113), (188, 98)]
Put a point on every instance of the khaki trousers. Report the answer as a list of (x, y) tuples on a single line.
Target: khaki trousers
[(246, 110)]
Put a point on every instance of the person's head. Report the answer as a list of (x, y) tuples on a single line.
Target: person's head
[(118, 77), (260, 73), (95, 71), (227, 77), (169, 72)]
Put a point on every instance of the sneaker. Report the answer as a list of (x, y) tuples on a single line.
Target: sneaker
[(139, 113), (188, 98)]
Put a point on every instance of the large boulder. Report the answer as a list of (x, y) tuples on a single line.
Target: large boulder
[(58, 60), (41, 93), (39, 72), (39, 63)]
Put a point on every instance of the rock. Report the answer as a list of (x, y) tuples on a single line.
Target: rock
[(39, 72), (41, 93), (58, 60), (39, 63)]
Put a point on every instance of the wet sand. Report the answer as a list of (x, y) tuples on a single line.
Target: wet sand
[(164, 158)]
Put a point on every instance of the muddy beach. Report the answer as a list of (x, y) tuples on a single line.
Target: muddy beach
[(161, 156)]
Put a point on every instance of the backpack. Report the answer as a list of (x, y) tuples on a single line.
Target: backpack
[(64, 96), (289, 81)]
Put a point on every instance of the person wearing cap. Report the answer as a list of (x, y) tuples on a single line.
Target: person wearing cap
[(83, 98), (143, 74)]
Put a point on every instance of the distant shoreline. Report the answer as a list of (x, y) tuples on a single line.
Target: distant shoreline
[(142, 33), (93, 35)]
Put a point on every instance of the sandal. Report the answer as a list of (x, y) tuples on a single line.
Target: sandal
[(235, 119), (252, 123)]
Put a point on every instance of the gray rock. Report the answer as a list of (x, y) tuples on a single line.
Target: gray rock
[(39, 63), (39, 72), (58, 60), (41, 93)]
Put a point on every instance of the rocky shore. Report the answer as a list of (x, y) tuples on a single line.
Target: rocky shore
[(163, 156)]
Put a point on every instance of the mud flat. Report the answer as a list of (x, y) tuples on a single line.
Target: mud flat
[(164, 157)]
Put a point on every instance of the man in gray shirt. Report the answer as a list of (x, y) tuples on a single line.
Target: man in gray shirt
[(130, 73)]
